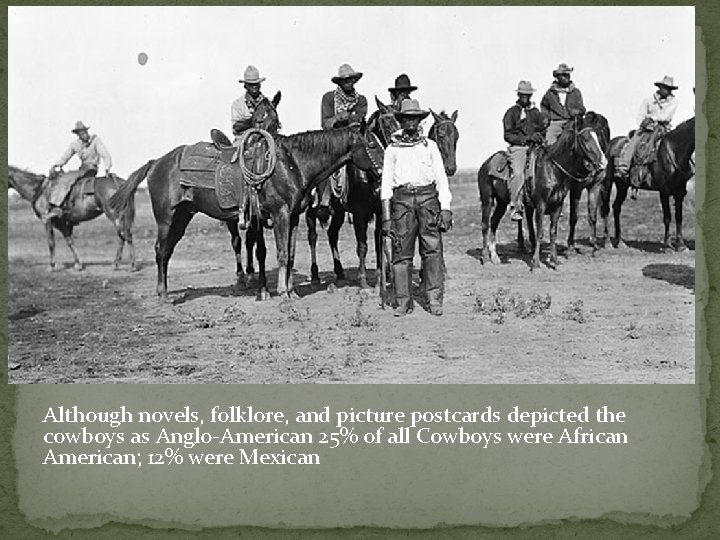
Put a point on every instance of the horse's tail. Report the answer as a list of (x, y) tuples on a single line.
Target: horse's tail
[(123, 201)]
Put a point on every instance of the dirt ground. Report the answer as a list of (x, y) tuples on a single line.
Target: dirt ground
[(621, 316)]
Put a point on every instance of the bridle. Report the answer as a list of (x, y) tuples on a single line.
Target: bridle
[(594, 168)]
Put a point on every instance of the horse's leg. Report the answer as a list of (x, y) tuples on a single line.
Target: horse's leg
[(667, 218), (554, 219), (604, 202), (592, 206), (622, 190), (360, 224), (256, 236), (679, 240), (168, 237), (71, 244), (539, 215), (281, 230), (236, 242), (575, 194), (337, 220), (252, 237), (51, 245), (485, 209), (498, 213), (119, 251), (311, 222), (377, 234)]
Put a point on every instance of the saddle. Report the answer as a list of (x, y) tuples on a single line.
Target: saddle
[(500, 166), (646, 151)]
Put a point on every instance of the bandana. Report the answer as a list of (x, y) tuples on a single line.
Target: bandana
[(400, 138), (524, 110), (344, 102), (253, 103), (555, 87)]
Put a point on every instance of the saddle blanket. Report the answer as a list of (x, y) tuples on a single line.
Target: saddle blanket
[(202, 166), (500, 167)]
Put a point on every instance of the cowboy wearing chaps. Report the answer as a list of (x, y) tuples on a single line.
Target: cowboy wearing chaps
[(416, 204), (91, 150)]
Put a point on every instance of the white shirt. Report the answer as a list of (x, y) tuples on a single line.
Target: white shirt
[(90, 153), (657, 108), (418, 165)]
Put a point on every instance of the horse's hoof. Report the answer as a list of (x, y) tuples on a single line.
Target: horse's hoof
[(263, 295), (494, 259), (134, 268), (54, 268), (621, 245)]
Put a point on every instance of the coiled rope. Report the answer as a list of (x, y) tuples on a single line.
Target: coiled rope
[(252, 178)]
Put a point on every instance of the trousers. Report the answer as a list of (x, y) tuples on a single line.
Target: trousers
[(415, 213)]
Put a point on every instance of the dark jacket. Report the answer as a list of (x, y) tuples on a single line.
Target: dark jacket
[(551, 105), (518, 132), (327, 111)]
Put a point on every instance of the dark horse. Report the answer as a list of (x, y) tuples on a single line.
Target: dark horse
[(88, 199), (363, 197), (669, 175), (301, 160), (556, 167)]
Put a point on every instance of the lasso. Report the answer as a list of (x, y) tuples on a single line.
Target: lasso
[(251, 177)]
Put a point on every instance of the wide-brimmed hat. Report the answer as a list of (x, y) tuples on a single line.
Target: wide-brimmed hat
[(525, 87), (251, 76), (402, 82), (346, 72), (79, 126), (668, 82), (411, 107), (562, 68)]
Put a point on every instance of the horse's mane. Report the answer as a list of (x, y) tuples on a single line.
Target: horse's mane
[(563, 142), (331, 141)]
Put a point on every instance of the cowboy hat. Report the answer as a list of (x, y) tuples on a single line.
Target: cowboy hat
[(411, 107), (402, 82), (346, 72), (79, 126), (525, 87), (668, 82), (251, 76), (562, 68)]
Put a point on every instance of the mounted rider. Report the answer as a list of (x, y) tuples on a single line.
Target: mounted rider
[(562, 102), (91, 150), (416, 197), (654, 118), (523, 126), (341, 107), (401, 91), (241, 113)]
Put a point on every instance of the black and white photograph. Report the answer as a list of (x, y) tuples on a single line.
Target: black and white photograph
[(364, 195)]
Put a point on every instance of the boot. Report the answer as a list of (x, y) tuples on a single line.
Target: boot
[(434, 298), (53, 212), (401, 279)]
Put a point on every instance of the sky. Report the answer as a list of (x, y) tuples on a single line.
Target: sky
[(81, 63)]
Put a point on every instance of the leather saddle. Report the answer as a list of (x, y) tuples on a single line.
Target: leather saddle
[(500, 166)]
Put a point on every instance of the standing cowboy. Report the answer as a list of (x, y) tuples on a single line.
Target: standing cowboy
[(401, 91), (654, 117), (416, 200), (91, 150), (561, 102), (523, 125), (341, 107)]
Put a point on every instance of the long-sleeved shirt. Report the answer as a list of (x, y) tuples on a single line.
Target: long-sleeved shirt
[(555, 109), (90, 153), (242, 110), (657, 108), (327, 111), (519, 124), (419, 165)]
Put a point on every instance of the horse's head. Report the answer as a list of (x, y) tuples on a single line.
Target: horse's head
[(265, 116), (445, 134), (588, 146), (367, 152), (383, 123)]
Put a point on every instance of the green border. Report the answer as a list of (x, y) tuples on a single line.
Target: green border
[(705, 522)]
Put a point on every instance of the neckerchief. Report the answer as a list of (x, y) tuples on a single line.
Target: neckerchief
[(400, 138), (253, 103), (662, 102), (524, 110), (344, 102), (555, 87), (89, 142)]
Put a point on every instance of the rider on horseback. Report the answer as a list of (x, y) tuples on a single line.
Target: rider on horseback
[(561, 102), (401, 91), (523, 125), (340, 108), (90, 149), (654, 117)]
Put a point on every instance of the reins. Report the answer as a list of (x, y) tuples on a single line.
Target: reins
[(574, 148)]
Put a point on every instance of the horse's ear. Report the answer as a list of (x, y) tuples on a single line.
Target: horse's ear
[(276, 98), (436, 116), (454, 116), (380, 105)]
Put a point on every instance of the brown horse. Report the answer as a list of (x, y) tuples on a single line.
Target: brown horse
[(669, 174), (556, 167), (302, 160), (363, 198), (88, 199)]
